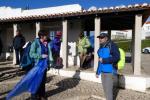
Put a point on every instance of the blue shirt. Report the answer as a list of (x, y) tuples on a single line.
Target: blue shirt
[(44, 49), (55, 44)]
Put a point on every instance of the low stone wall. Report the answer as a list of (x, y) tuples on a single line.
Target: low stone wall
[(137, 83)]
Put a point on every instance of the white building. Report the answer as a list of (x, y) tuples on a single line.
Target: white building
[(146, 30), (127, 34), (72, 20)]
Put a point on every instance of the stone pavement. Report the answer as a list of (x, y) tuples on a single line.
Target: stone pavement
[(63, 88)]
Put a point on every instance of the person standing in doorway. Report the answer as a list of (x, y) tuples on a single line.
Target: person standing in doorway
[(82, 45), (18, 43), (55, 45), (109, 55)]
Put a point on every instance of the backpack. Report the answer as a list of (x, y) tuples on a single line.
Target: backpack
[(26, 60), (59, 63), (121, 62)]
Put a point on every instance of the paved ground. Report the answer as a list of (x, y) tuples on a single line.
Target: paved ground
[(62, 88)]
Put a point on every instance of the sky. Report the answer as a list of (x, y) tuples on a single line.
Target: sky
[(84, 3)]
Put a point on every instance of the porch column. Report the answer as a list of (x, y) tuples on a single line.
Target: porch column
[(14, 55), (38, 27), (109, 33), (96, 44), (132, 49), (137, 45), (65, 44)]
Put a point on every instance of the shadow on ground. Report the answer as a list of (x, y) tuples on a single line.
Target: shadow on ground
[(65, 84), (3, 93), (10, 74), (119, 83), (5, 68)]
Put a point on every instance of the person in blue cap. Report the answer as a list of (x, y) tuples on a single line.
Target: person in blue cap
[(109, 55)]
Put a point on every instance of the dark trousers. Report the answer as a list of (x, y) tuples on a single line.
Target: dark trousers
[(19, 52), (41, 90), (87, 61), (55, 56)]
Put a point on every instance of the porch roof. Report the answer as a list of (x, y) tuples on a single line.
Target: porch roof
[(100, 11)]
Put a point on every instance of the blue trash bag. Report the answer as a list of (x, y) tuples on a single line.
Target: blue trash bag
[(31, 81)]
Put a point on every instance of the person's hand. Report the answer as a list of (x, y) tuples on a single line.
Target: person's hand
[(100, 60), (97, 76), (44, 55)]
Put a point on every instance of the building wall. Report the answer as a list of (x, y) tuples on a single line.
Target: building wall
[(125, 34), (28, 30), (4, 38), (7, 35), (74, 29), (146, 31), (128, 33), (52, 26)]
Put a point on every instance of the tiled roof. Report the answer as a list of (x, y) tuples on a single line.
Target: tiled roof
[(122, 8)]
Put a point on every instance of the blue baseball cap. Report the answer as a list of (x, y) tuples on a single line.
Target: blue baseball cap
[(102, 35)]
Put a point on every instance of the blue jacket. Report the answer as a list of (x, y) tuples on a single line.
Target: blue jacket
[(55, 44), (110, 55)]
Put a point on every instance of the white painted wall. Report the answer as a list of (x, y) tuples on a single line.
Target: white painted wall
[(145, 32), (137, 83), (126, 33), (8, 12)]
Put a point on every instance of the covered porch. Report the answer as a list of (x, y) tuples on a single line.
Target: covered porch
[(71, 24)]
